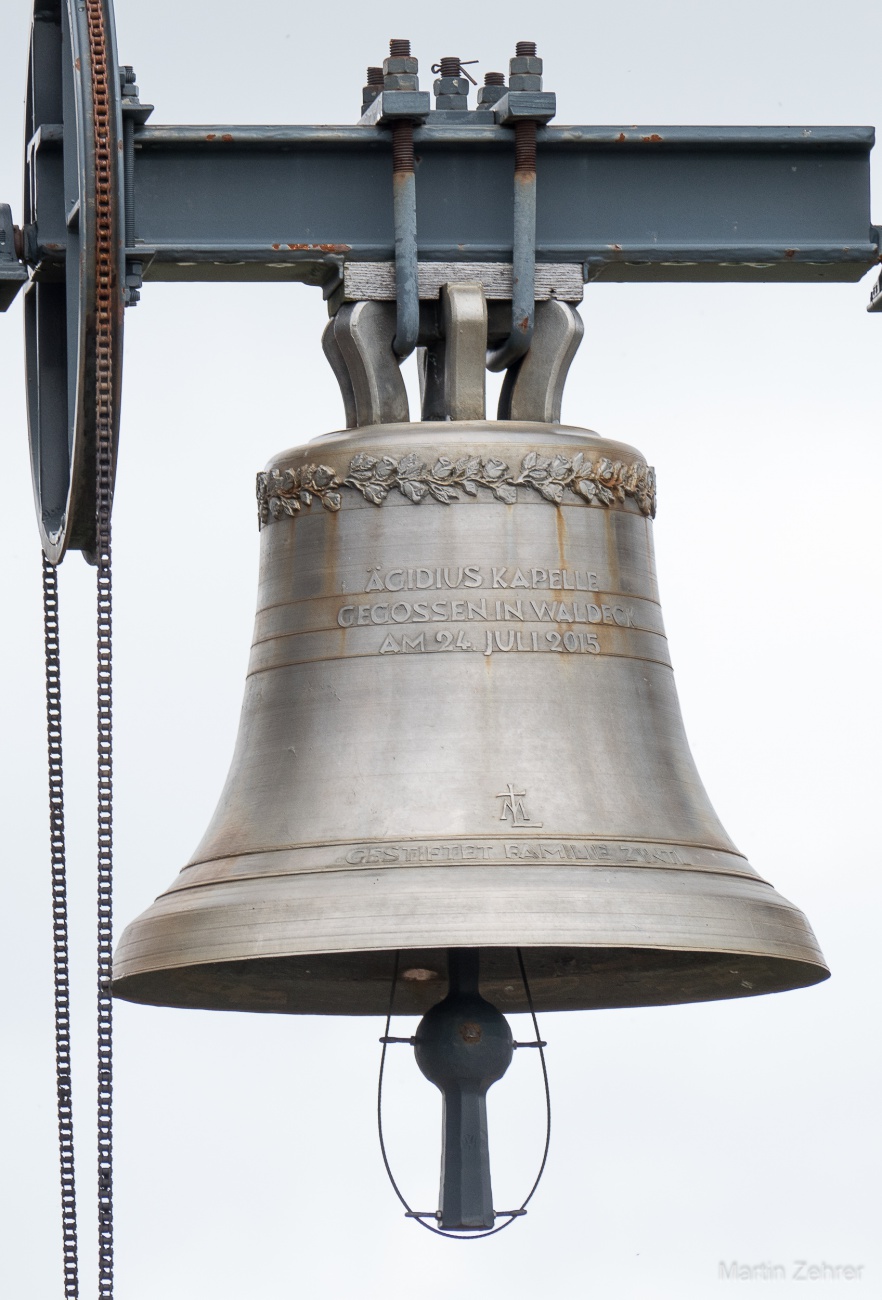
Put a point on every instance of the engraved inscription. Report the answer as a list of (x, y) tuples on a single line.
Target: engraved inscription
[(634, 854), (396, 645), (386, 855), (585, 643), (417, 586), (503, 642), (564, 639), (557, 479), (472, 575), (553, 851), (513, 807), (483, 610)]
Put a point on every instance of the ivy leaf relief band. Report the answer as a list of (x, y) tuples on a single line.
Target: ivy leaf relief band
[(603, 482)]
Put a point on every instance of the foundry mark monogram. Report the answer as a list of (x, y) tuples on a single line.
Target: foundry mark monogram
[(513, 807)]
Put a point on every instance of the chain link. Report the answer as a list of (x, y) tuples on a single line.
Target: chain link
[(104, 313), (58, 855)]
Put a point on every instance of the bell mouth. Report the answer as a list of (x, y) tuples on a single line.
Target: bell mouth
[(591, 938), (561, 979)]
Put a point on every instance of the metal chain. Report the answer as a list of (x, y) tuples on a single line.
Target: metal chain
[(58, 854), (104, 310)]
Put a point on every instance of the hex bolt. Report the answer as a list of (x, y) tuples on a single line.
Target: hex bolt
[(404, 213), (402, 147), (402, 107), (452, 85), (373, 86), (400, 70), (492, 90), (525, 148), (525, 79), (525, 69)]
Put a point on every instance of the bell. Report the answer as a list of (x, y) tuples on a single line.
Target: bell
[(460, 730)]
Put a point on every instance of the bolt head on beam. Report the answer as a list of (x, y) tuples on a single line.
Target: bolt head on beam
[(401, 81), (451, 86), (520, 81), (400, 65), (488, 96), (525, 63)]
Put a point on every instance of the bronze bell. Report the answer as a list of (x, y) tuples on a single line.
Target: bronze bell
[(461, 730)]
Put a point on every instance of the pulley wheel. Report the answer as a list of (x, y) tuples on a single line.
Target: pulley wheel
[(75, 246)]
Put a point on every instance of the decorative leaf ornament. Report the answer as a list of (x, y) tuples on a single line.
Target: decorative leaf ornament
[(602, 482)]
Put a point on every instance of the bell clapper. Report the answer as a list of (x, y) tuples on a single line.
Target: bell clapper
[(463, 1045)]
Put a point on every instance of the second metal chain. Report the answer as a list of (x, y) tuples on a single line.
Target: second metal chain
[(106, 287), (61, 962)]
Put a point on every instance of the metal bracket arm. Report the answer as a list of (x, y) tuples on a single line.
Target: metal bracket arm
[(13, 274), (454, 334)]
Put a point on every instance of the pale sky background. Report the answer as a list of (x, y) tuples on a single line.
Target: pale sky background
[(247, 1160)]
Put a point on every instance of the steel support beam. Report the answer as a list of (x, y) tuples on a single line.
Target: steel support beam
[(677, 203), (673, 203)]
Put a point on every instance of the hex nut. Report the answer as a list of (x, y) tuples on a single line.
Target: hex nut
[(491, 95), (524, 81), (451, 86), (400, 81), (398, 66), (455, 102), (526, 63)]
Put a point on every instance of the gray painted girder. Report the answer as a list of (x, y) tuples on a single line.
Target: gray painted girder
[(682, 203)]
